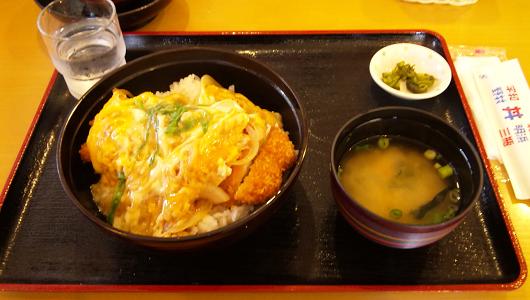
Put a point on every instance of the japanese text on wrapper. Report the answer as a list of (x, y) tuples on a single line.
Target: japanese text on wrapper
[(506, 100)]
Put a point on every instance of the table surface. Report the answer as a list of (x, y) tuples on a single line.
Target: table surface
[(26, 69)]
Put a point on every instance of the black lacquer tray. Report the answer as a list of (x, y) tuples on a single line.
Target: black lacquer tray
[(47, 244)]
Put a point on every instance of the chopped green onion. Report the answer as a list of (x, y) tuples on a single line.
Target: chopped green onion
[(118, 193), (174, 119), (361, 147), (429, 154), (445, 171), (177, 125), (383, 142), (396, 213), (205, 122), (437, 166)]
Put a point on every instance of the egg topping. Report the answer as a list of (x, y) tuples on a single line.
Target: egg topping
[(162, 156)]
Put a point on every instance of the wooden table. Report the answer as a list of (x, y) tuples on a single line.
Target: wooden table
[(26, 69)]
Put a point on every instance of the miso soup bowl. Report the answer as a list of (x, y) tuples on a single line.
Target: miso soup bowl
[(428, 129)]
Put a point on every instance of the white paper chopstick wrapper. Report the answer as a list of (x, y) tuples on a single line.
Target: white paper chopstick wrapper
[(505, 100), (465, 67)]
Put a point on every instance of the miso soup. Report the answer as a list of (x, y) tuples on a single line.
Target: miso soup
[(401, 180)]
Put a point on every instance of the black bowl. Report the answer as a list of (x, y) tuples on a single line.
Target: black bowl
[(427, 129), (155, 72), (132, 14)]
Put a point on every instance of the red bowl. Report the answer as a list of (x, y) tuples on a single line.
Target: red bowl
[(417, 125)]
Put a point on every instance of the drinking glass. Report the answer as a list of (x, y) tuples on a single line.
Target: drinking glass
[(83, 39)]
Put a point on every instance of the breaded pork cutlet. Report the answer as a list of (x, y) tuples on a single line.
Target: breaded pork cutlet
[(83, 152), (264, 178)]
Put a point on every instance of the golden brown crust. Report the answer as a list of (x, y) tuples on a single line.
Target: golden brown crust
[(83, 152), (264, 179)]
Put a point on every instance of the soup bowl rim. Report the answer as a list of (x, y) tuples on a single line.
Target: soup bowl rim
[(472, 154)]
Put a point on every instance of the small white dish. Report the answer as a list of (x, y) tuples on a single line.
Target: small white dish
[(425, 60)]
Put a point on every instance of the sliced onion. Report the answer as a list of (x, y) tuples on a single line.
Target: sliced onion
[(214, 194), (253, 148)]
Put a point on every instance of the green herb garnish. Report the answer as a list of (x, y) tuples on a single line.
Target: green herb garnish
[(180, 126), (118, 193), (445, 171), (429, 154), (396, 213), (383, 142), (362, 147), (174, 119)]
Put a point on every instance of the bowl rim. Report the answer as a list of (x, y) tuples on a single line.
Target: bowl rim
[(160, 4), (390, 223), (144, 239), (126, 13), (444, 84)]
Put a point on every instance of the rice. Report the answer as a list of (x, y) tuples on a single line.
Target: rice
[(189, 86), (220, 216)]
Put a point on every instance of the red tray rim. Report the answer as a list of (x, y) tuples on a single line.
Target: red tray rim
[(517, 283)]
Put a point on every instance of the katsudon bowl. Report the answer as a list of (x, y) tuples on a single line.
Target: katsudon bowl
[(382, 220), (155, 72)]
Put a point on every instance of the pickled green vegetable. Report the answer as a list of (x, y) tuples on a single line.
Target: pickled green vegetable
[(415, 82), (420, 83), (392, 80)]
